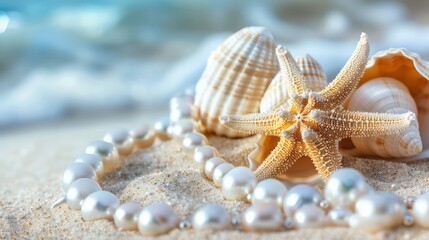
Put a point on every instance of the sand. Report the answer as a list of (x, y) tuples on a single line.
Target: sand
[(32, 160)]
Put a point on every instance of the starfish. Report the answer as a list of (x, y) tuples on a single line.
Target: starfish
[(313, 123)]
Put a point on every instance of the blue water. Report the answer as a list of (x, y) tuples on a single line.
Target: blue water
[(63, 57)]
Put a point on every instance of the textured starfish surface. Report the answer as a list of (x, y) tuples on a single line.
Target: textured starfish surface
[(313, 122)]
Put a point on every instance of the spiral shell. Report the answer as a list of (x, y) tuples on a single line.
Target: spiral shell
[(277, 96), (237, 74), (387, 95), (408, 68)]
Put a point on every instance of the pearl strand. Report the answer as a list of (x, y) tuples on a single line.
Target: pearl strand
[(350, 201)]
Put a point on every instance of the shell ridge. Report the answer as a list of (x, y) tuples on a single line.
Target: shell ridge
[(235, 78)]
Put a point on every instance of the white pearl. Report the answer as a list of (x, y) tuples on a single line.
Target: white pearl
[(170, 131), (211, 165), (193, 140), (420, 210), (176, 101), (309, 216), (211, 216), (79, 190), (220, 171), (161, 127), (339, 216), (122, 140), (94, 161), (180, 111), (204, 153), (344, 187), (262, 217), (237, 183), (157, 219), (143, 137), (99, 205), (183, 127), (75, 171), (126, 216), (107, 152), (378, 211), (270, 191), (299, 196)]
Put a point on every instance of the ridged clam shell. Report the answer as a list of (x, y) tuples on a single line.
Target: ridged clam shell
[(236, 76), (277, 95), (408, 68), (386, 95), (313, 72)]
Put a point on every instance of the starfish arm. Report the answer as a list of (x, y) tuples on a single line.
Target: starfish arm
[(290, 132), (281, 158), (323, 152), (337, 92), (258, 123), (343, 123), (290, 71)]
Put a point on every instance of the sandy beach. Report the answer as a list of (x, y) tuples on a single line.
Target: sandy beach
[(32, 160)]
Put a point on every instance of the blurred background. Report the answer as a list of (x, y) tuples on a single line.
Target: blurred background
[(63, 61)]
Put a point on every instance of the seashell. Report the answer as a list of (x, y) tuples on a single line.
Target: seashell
[(276, 96), (388, 95), (408, 68), (313, 72), (236, 76), (272, 98)]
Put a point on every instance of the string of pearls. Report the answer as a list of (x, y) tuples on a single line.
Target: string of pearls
[(348, 200)]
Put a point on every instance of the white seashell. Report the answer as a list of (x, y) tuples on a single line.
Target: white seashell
[(277, 95), (386, 95), (313, 72), (237, 74), (408, 68)]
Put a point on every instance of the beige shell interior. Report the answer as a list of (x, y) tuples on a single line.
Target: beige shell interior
[(302, 171)]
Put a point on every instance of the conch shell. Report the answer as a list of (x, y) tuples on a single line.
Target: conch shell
[(275, 97), (236, 76), (413, 72), (387, 95)]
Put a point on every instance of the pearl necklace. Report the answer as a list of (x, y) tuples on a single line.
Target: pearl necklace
[(349, 200)]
